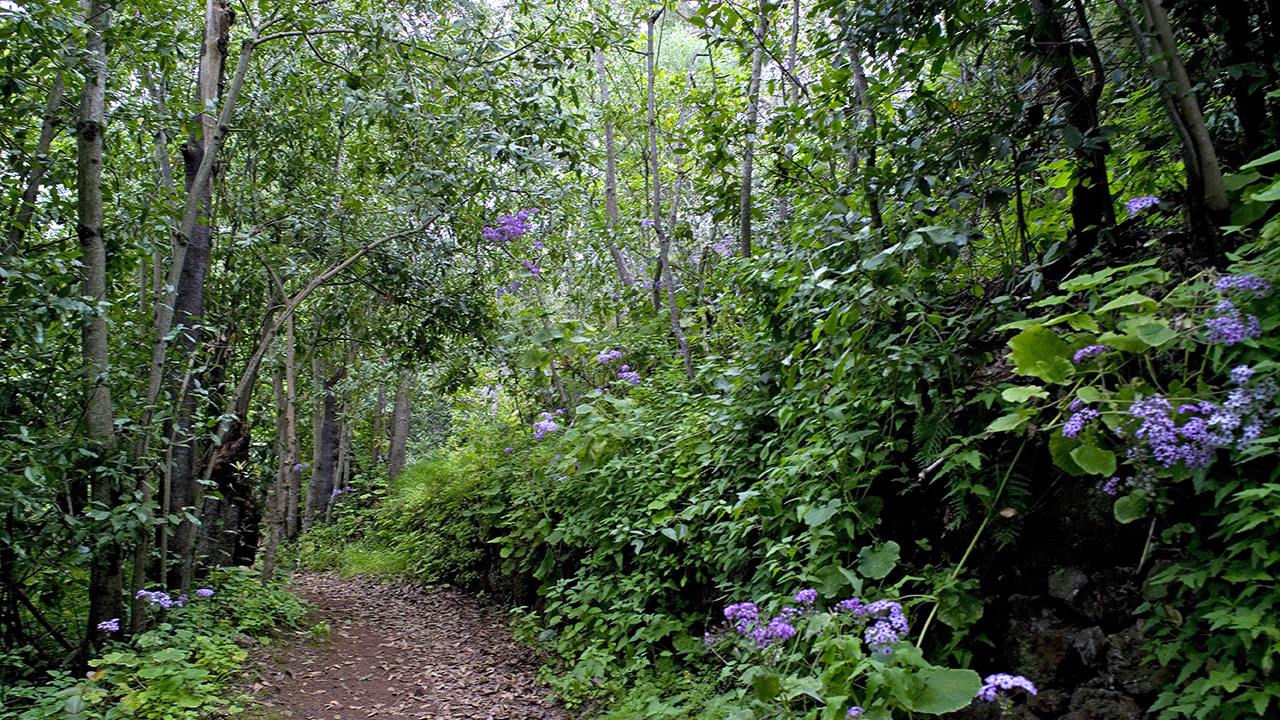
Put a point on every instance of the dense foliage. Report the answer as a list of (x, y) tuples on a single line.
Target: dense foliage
[(635, 315)]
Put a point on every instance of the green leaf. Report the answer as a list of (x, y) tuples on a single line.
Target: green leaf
[(1271, 194), (1155, 334), (1094, 460), (1039, 352), (1130, 508), (766, 685), (1128, 300), (818, 515), (1023, 393), (1007, 423), (875, 563), (1264, 160), (938, 690), (1060, 449), (1127, 343)]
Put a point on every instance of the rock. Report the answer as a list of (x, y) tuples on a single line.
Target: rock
[(1130, 666), (1091, 644), (1050, 703), (1066, 583), (1098, 704)]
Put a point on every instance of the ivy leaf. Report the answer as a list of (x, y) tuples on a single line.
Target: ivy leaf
[(875, 563), (1094, 460)]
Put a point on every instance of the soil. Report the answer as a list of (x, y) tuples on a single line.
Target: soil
[(396, 654)]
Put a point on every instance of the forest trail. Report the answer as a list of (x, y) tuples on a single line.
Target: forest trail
[(397, 654)]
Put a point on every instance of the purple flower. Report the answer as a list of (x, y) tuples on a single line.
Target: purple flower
[(156, 598), (509, 227), (1138, 204), (1076, 422), (779, 629), (559, 411), (1111, 487), (742, 615), (507, 450), (854, 712), (997, 685), (807, 597), (1243, 283), (1241, 374), (534, 269), (537, 245), (111, 625), (300, 466), (647, 222), (1075, 405), (852, 605), (889, 627), (1089, 352), (607, 355), (544, 425), (629, 375), (204, 592), (1231, 326)]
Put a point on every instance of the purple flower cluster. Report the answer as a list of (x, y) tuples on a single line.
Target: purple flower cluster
[(545, 424), (647, 222), (510, 227), (807, 597), (779, 629), (1088, 353), (998, 685), (1193, 442), (1240, 374), (724, 247), (338, 491), (112, 625), (507, 450), (1076, 422), (1231, 326), (300, 466), (533, 269), (1138, 204), (204, 592), (854, 712), (742, 615), (608, 355), (626, 373), (889, 627), (1243, 284), (158, 598), (1110, 487), (509, 289)]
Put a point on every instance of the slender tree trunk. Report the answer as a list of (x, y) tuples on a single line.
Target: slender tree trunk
[(400, 426), (324, 474), (791, 94), (39, 163), (611, 177), (279, 498), (105, 602), (862, 95), (294, 452), (1215, 189), (664, 245), (379, 421), (1091, 205), (748, 152)]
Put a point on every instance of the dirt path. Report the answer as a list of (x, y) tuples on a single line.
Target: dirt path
[(397, 654)]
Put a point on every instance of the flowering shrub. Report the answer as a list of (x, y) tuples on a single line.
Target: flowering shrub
[(851, 660), (1170, 399)]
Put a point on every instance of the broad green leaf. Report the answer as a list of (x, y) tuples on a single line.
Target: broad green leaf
[(1060, 449), (1094, 460), (818, 515), (1130, 508), (1007, 423), (1023, 393), (942, 690), (1155, 334), (1127, 300), (766, 685), (1264, 160), (875, 563), (1039, 352)]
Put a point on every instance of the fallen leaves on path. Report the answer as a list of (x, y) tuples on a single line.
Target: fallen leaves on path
[(399, 654)]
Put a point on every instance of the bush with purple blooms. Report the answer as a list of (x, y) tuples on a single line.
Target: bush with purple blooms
[(834, 659), (1167, 398)]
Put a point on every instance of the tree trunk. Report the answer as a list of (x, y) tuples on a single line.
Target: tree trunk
[(664, 244), (1215, 189), (791, 94), (324, 473), (379, 421), (1091, 205), (39, 163), (611, 177), (400, 426), (294, 471), (105, 602), (276, 508), (748, 152)]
